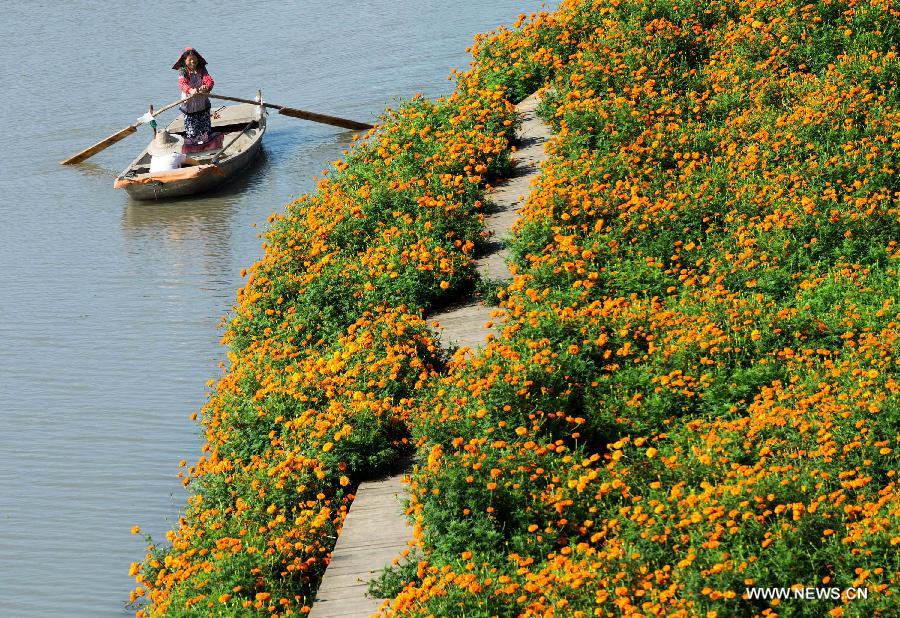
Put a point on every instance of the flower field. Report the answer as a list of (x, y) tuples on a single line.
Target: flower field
[(695, 391)]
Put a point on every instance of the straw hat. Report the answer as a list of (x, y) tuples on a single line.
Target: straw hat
[(165, 143), (201, 62)]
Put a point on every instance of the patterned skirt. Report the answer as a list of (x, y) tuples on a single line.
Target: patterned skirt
[(197, 127)]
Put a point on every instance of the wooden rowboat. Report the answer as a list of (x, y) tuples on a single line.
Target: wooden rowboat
[(243, 126)]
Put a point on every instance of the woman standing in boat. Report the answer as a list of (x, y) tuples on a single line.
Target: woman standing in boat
[(194, 79)]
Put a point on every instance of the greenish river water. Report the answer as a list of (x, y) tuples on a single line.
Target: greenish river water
[(108, 307)]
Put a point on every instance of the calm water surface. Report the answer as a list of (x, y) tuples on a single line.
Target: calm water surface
[(108, 307)]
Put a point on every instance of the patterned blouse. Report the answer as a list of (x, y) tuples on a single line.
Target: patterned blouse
[(194, 80)]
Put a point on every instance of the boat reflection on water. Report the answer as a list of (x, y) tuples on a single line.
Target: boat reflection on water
[(193, 238)]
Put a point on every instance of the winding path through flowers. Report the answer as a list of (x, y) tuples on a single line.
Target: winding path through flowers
[(376, 531), (463, 324)]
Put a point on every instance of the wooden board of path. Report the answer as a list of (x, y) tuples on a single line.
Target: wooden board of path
[(374, 534)]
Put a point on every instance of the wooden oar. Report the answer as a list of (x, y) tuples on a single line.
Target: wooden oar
[(299, 113), (115, 137)]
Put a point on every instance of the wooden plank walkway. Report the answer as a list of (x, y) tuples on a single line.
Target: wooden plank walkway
[(464, 324), (376, 530)]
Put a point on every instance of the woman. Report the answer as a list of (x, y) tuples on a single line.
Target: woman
[(194, 79)]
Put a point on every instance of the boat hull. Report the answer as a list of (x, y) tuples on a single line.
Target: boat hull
[(156, 190), (213, 172)]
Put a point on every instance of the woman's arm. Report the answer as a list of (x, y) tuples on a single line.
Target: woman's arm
[(207, 84), (184, 84)]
